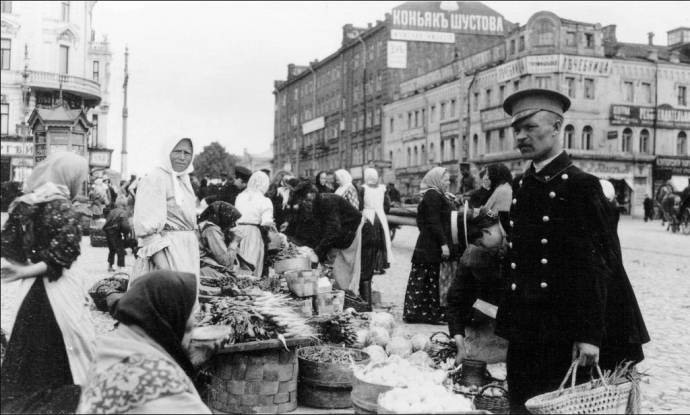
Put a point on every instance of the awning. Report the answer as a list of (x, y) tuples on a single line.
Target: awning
[(679, 183)]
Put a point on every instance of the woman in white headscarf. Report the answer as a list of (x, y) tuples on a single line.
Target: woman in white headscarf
[(375, 204), (165, 213), (345, 187), (52, 337), (253, 225)]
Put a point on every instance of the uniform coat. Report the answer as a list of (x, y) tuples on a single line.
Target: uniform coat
[(566, 281)]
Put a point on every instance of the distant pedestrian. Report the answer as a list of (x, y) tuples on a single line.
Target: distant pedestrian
[(393, 193), (242, 175), (323, 184), (648, 205), (117, 231), (479, 196)]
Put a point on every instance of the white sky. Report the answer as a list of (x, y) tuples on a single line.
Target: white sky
[(206, 69)]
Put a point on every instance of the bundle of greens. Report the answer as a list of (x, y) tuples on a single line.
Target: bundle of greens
[(336, 328)]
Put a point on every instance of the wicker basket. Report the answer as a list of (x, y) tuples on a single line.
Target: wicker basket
[(100, 291), (493, 404), (593, 397)]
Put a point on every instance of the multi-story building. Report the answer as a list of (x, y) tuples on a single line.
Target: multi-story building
[(51, 59), (328, 113), (629, 118)]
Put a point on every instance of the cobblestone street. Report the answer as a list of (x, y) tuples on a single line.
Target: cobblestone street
[(657, 262)]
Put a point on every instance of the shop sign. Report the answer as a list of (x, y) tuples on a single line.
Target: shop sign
[(606, 167), (431, 17), (666, 116), (676, 165), (434, 77), (397, 54), (16, 148), (584, 65), (100, 158), (612, 135), (313, 125), (540, 64), (422, 36)]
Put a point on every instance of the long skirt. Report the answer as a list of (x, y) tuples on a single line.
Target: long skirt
[(252, 248), (374, 248), (422, 303), (36, 374), (181, 254)]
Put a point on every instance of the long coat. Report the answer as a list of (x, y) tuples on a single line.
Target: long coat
[(566, 279), (338, 222), (433, 221)]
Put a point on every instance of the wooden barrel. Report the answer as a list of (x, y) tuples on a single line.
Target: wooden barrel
[(365, 395), (326, 385)]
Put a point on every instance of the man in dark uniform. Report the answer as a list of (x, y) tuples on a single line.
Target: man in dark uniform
[(568, 294), (242, 175), (225, 188)]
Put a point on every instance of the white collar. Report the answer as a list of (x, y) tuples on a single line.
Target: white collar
[(538, 166)]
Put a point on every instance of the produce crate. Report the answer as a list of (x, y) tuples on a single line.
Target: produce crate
[(254, 377), (301, 263), (97, 235), (330, 302)]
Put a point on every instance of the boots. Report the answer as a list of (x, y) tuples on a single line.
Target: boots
[(365, 292)]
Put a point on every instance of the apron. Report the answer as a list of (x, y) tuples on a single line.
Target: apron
[(347, 265)]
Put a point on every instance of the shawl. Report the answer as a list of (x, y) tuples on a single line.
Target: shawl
[(222, 214), (165, 165), (161, 303), (371, 177), (344, 180), (433, 180)]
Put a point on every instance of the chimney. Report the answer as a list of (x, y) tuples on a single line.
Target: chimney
[(650, 37), (653, 55), (675, 57), (609, 33)]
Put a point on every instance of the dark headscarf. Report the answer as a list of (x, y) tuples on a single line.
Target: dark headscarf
[(320, 187), (222, 214), (161, 302)]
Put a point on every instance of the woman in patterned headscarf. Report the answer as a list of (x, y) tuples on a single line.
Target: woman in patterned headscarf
[(257, 218), (216, 243), (143, 366), (345, 187), (434, 244), (51, 335)]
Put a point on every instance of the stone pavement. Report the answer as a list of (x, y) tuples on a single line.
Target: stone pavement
[(657, 262)]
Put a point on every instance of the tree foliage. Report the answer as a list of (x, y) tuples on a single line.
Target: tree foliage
[(214, 160)]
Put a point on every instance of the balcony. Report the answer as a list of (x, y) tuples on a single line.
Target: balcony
[(88, 89)]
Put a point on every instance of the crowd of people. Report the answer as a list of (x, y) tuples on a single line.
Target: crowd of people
[(534, 259)]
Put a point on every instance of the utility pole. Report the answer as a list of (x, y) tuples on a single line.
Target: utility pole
[(125, 114)]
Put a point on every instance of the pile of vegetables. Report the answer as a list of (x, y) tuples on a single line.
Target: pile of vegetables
[(337, 355), (259, 315), (335, 328), (231, 285), (289, 250), (398, 372), (424, 398)]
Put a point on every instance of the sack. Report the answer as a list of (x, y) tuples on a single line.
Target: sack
[(445, 278), (593, 397)]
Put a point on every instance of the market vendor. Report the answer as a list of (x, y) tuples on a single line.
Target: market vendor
[(477, 289), (253, 225), (340, 238), (217, 244)]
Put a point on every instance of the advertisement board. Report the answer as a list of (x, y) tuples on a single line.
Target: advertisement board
[(396, 54), (666, 116), (467, 18)]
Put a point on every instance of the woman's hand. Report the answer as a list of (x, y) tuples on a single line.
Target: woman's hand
[(12, 272), (284, 226), (462, 352), (445, 252)]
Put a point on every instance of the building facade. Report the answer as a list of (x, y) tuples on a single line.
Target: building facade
[(51, 58), (629, 118), (328, 114)]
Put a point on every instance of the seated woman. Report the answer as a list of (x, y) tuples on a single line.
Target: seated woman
[(143, 365), (478, 289), (217, 246)]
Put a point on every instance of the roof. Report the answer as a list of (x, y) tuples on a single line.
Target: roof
[(633, 51), (59, 115)]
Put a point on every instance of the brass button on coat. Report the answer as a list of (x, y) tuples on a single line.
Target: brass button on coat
[(513, 286), (544, 241), (552, 194), (544, 285), (544, 261), (513, 265), (545, 218), (515, 201), (564, 176)]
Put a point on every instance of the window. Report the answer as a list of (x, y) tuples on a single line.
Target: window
[(589, 88), (487, 144), (5, 119), (646, 93), (644, 141), (628, 91), (452, 149), (65, 11), (571, 86), (521, 45), (391, 124), (512, 46), (488, 97), (682, 144), (502, 139), (422, 153), (589, 40), (416, 118), (475, 144), (453, 108), (6, 53), (545, 32), (682, 95), (409, 120), (543, 82), (571, 39), (476, 101), (626, 141), (94, 131), (416, 156), (6, 6), (64, 59), (443, 151), (501, 93), (409, 156), (568, 134), (516, 85), (96, 68), (443, 111), (587, 138), (432, 113)]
